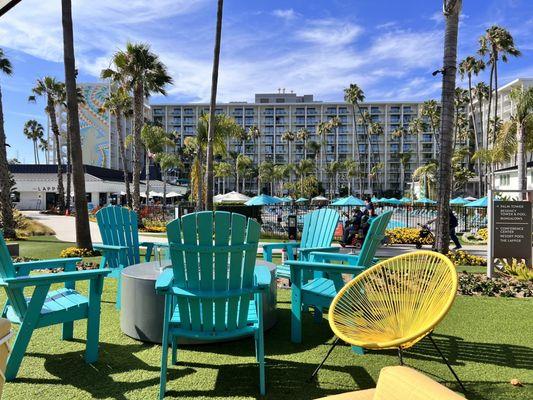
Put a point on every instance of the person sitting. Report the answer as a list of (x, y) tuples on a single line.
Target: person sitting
[(351, 227)]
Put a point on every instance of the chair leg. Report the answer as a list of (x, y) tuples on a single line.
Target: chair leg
[(447, 363), (296, 314), (119, 289), (164, 348), (400, 355), (67, 331), (25, 332), (93, 320), (324, 360), (317, 314), (174, 350)]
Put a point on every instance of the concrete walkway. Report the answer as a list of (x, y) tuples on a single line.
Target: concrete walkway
[(64, 228)]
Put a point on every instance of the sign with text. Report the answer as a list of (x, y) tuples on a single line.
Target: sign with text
[(512, 230)]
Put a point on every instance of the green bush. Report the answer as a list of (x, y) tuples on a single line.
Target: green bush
[(518, 269), (77, 252), (480, 285)]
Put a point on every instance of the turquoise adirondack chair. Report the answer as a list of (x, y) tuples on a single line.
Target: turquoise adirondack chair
[(213, 290), (120, 242), (318, 292), (317, 235), (48, 307)]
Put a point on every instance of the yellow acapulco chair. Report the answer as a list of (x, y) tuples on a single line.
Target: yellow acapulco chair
[(395, 304)]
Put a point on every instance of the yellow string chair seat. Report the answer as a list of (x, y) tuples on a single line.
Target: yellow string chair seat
[(395, 303)]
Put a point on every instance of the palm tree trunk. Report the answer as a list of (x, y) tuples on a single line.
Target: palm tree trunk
[(164, 193), (521, 162), (6, 207), (123, 157), (147, 174), (212, 107), (69, 173), (83, 232), (55, 130), (442, 239), (138, 120)]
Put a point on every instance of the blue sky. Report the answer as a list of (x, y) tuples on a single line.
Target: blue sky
[(314, 47)]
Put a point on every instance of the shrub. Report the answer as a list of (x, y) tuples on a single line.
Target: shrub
[(407, 236), (77, 252), (518, 269), (480, 285), (483, 233), (153, 225), (478, 237), (463, 258)]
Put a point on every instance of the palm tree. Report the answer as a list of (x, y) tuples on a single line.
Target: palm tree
[(302, 169), (34, 131), (352, 171), (83, 232), (332, 170), (43, 146), (140, 70), (451, 9), (6, 206), (417, 126), (53, 90), (222, 171), (254, 133), (289, 137), (365, 120), (303, 134), (354, 95), (375, 129), (244, 163), (266, 172), (212, 109), (427, 174), (431, 110), (523, 116), (155, 140), (496, 42), (278, 173), (405, 157), (323, 128), (118, 103), (167, 161)]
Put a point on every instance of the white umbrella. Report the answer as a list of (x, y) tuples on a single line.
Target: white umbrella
[(319, 199), (173, 194), (231, 197), (470, 198), (155, 194)]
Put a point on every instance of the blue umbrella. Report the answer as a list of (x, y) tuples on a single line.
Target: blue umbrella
[(483, 202), (302, 200), (374, 200), (406, 200), (348, 201), (286, 199), (458, 201), (262, 200), (392, 200), (425, 200)]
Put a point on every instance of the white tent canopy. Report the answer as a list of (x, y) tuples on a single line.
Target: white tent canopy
[(319, 199), (231, 197), (173, 194)]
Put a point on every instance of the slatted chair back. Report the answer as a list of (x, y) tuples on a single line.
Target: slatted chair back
[(213, 257), (7, 270), (319, 227), (374, 238), (119, 227)]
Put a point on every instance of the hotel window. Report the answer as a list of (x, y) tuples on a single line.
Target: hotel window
[(505, 180), (374, 110)]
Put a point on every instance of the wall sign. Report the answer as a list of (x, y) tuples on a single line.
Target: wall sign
[(512, 230)]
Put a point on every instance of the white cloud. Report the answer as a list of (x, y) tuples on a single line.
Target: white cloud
[(329, 32), (287, 14)]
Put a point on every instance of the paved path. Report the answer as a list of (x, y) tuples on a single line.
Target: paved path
[(64, 228)]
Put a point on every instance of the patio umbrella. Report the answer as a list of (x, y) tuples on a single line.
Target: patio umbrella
[(382, 200), (348, 201), (262, 200), (301, 200), (374, 200), (173, 194), (392, 200), (231, 197), (286, 199), (470, 198), (319, 199), (153, 193), (483, 202), (406, 200), (458, 201), (425, 200)]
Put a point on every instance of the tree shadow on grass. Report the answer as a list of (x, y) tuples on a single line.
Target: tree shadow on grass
[(97, 379)]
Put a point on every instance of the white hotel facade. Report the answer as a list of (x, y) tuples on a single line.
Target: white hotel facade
[(276, 113)]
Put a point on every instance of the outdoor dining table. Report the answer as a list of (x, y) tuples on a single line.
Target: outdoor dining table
[(141, 315)]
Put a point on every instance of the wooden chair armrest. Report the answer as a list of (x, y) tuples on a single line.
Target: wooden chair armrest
[(48, 279)]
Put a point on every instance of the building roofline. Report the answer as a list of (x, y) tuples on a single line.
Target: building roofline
[(314, 103)]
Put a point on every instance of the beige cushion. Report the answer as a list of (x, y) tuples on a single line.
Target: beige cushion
[(402, 383), (358, 395), (5, 326)]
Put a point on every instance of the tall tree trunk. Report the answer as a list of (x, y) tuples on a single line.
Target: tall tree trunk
[(199, 180), (57, 144), (83, 232), (69, 173), (6, 207), (138, 120), (521, 158), (476, 133), (122, 150), (452, 10), (212, 109), (147, 174)]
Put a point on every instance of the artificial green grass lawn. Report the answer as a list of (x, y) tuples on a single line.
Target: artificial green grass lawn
[(488, 341)]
